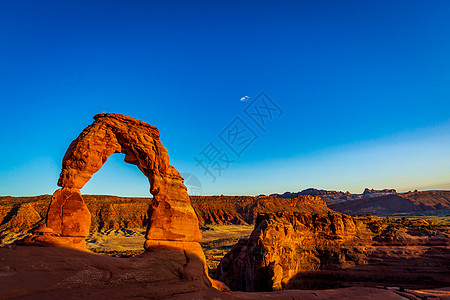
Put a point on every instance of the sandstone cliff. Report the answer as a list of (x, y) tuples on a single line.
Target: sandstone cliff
[(285, 246), (112, 212), (244, 209)]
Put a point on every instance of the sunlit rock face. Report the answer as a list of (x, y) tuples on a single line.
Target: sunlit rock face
[(281, 245), (172, 225), (68, 215), (297, 250), (171, 217)]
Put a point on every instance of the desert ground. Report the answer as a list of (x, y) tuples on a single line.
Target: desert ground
[(217, 241)]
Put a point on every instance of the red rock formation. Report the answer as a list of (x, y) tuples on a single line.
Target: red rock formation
[(285, 246), (172, 216), (68, 214), (112, 212), (172, 221), (244, 209), (19, 217)]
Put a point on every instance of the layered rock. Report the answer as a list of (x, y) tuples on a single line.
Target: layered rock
[(68, 214), (285, 246), (244, 209), (68, 221), (19, 217), (113, 212), (379, 202), (330, 197)]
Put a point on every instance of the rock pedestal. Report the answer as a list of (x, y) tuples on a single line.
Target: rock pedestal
[(68, 215)]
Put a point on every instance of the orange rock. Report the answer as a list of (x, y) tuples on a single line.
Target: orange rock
[(68, 215), (172, 216), (173, 224), (292, 250)]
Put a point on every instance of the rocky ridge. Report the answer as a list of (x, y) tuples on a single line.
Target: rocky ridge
[(411, 202), (244, 209), (333, 197), (112, 212), (379, 202)]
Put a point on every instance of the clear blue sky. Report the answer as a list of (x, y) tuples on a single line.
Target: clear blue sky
[(364, 87)]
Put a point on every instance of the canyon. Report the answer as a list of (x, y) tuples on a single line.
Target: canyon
[(295, 250)]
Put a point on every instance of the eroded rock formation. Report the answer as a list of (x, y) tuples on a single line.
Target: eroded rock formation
[(172, 216), (292, 250), (172, 222), (112, 212), (244, 209)]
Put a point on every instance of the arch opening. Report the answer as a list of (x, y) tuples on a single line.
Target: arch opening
[(117, 178)]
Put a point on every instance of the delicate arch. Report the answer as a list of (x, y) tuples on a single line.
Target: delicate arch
[(172, 216)]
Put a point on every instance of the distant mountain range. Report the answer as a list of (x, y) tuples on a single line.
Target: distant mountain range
[(333, 197), (381, 202)]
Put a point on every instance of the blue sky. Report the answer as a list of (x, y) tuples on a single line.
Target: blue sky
[(364, 89)]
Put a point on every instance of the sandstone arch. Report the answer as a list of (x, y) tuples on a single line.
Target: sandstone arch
[(172, 216), (173, 225)]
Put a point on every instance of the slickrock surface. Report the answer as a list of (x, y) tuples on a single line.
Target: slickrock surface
[(293, 250), (62, 273)]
